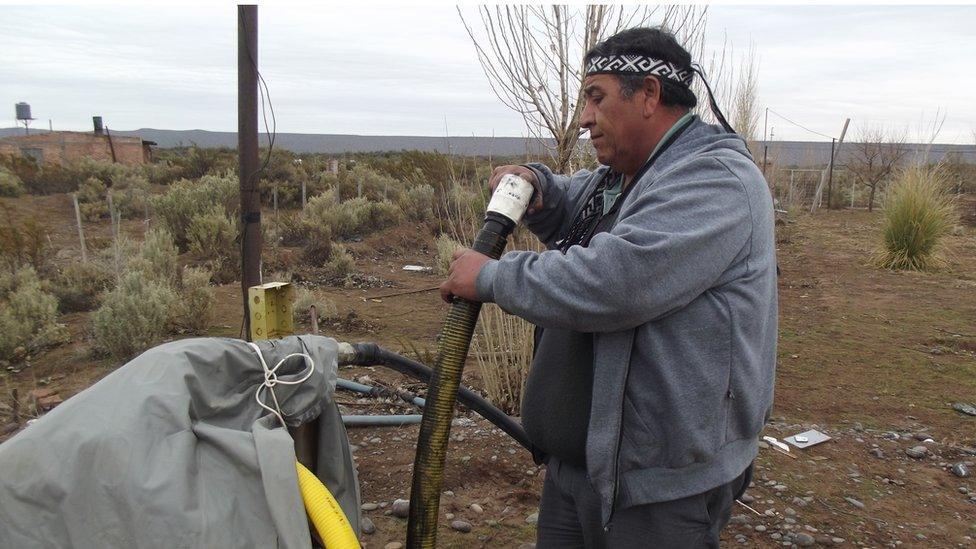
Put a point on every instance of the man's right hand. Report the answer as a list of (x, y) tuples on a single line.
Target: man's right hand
[(524, 173)]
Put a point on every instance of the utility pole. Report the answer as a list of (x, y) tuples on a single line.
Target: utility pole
[(247, 148), (830, 170)]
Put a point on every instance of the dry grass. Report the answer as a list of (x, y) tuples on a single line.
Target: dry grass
[(503, 349), (919, 214)]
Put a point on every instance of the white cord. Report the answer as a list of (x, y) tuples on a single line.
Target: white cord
[(271, 379)]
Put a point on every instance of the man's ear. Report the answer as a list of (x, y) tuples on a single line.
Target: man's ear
[(652, 94)]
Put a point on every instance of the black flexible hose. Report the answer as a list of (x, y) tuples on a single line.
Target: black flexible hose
[(371, 354)]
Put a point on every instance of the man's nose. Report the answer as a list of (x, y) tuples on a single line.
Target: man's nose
[(587, 120)]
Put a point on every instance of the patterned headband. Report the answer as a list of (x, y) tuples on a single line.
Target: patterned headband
[(637, 64)]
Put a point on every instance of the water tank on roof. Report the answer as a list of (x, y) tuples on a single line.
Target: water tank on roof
[(23, 111)]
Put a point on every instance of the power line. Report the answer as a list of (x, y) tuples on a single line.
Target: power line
[(799, 125)]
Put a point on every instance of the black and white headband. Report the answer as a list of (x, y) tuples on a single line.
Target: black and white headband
[(642, 64), (637, 64)]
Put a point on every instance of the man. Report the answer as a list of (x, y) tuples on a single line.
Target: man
[(656, 299)]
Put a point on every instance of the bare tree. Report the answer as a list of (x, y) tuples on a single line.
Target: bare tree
[(745, 103), (533, 58), (876, 155)]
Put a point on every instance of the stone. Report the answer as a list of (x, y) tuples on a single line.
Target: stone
[(393, 545), (367, 526), (746, 498), (960, 470), (917, 452), (370, 506), (826, 541), (780, 488), (49, 402), (878, 453), (533, 518), (967, 409), (739, 519), (401, 508), (799, 502), (854, 502), (461, 526), (449, 516), (804, 540), (477, 508), (789, 511), (760, 528), (449, 493)]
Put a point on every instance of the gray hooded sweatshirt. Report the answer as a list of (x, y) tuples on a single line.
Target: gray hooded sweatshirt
[(681, 298)]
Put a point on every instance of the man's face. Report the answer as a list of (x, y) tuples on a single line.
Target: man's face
[(616, 124)]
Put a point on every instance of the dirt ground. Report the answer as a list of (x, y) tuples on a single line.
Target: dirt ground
[(873, 358)]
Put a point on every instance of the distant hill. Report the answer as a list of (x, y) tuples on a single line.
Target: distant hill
[(787, 153)]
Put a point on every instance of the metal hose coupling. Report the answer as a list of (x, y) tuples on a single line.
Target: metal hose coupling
[(506, 208)]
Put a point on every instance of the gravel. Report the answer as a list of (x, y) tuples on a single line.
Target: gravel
[(401, 508), (461, 526)]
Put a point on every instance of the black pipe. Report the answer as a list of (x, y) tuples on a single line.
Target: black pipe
[(371, 354)]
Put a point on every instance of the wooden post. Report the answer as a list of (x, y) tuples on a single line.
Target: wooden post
[(359, 188), (303, 195), (852, 194), (274, 194), (81, 231), (313, 314), (247, 146), (823, 178)]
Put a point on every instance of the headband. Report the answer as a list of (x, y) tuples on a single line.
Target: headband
[(637, 64), (641, 64)]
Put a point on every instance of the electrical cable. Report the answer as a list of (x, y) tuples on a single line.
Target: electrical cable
[(799, 125)]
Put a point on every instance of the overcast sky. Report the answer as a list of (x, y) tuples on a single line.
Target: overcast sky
[(395, 70)]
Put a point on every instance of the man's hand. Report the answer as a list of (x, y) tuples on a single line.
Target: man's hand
[(524, 173), (463, 274)]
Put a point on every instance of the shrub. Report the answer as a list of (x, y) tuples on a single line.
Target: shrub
[(919, 213), (373, 185), (130, 194), (295, 229), (10, 184), (91, 199), (79, 284), (162, 173), (187, 199), (134, 316), (24, 244), (304, 299), (446, 246), (196, 300), (212, 237), (340, 264), (157, 258), (28, 314), (318, 247), (503, 349), (352, 216), (418, 202)]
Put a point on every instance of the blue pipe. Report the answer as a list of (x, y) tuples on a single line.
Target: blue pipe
[(374, 391), (380, 421)]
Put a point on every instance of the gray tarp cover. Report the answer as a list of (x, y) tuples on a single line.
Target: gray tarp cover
[(172, 450)]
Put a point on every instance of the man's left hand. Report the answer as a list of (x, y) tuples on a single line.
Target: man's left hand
[(463, 274)]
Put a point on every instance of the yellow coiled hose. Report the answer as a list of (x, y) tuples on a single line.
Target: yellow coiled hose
[(324, 511)]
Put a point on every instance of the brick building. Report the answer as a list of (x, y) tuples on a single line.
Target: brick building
[(67, 147)]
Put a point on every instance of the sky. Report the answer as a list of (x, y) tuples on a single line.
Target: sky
[(394, 69)]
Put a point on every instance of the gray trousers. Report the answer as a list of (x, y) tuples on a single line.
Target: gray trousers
[(569, 515)]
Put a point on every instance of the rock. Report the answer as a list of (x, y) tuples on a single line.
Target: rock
[(917, 452), (780, 488), (370, 507), (375, 440), (449, 516), (858, 427), (739, 519), (367, 526), (837, 541), (477, 508), (789, 511), (963, 490), (533, 518), (760, 528), (826, 541), (967, 409), (804, 540), (461, 526), (878, 453), (800, 502), (922, 436), (401, 508), (854, 502), (38, 394), (449, 493), (960, 470), (393, 545), (769, 513), (746, 498)]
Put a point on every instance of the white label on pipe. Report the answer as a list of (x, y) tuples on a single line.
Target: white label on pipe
[(511, 197)]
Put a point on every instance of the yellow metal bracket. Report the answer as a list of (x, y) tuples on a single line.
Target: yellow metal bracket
[(271, 310)]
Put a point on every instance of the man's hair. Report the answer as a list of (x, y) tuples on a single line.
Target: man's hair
[(652, 42)]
